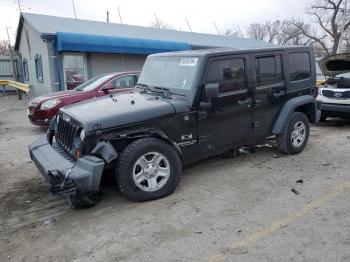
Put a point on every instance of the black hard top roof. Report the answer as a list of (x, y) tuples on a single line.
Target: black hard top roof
[(231, 51)]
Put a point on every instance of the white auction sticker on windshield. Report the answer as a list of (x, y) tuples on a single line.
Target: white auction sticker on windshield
[(188, 61)]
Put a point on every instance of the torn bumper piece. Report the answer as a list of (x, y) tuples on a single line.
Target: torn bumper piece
[(66, 177)]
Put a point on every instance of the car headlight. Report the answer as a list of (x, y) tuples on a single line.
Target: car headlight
[(50, 104), (82, 135)]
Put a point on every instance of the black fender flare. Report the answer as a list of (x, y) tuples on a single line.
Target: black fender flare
[(307, 102), (150, 132)]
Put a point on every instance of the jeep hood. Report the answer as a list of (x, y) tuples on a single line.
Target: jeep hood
[(123, 109), (335, 65)]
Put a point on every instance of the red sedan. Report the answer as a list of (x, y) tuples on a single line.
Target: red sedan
[(43, 108)]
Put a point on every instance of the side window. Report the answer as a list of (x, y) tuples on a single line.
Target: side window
[(25, 69), (268, 70), (39, 68), (124, 82), (228, 73), (299, 66)]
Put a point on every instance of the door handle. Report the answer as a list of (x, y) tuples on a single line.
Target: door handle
[(279, 93)]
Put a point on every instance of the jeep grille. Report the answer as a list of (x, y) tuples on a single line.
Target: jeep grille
[(65, 134)]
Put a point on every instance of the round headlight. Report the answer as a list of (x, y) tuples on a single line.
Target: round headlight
[(82, 135), (50, 104)]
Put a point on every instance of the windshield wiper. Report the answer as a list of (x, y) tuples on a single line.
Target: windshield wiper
[(144, 87), (165, 91)]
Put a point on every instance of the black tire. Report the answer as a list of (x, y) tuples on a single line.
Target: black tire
[(284, 140), (85, 200), (127, 160), (323, 117)]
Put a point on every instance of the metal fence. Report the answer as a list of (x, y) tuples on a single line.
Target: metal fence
[(6, 72)]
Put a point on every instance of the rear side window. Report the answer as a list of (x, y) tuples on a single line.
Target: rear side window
[(268, 70), (299, 66), (228, 73)]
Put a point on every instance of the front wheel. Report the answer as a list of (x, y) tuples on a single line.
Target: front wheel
[(148, 169), (295, 134)]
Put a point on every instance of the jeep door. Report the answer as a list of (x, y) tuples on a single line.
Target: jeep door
[(227, 119), (269, 90)]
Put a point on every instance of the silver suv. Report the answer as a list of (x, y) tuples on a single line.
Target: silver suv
[(334, 93)]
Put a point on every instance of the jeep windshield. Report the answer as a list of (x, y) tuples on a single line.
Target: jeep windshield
[(173, 73)]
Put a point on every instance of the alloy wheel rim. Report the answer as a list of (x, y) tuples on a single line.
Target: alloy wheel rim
[(151, 171), (298, 134)]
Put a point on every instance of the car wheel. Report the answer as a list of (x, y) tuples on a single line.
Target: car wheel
[(323, 117), (295, 134), (85, 200), (148, 169)]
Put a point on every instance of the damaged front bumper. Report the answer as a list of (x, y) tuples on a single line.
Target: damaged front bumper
[(66, 177)]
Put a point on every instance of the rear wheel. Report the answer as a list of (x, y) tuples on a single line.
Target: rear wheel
[(148, 169), (295, 134)]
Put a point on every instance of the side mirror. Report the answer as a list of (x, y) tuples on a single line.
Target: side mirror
[(211, 91), (107, 87)]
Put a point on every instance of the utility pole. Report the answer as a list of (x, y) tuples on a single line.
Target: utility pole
[(107, 16), (20, 5), (120, 17), (157, 21), (345, 14), (188, 24), (217, 29), (75, 14)]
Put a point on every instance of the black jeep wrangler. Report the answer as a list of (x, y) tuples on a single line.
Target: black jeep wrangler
[(187, 106)]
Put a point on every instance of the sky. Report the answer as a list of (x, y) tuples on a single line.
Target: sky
[(201, 15)]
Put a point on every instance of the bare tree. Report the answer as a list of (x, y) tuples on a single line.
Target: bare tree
[(346, 40), (235, 31), (272, 30), (4, 48), (277, 32), (330, 21), (257, 31), (269, 31), (160, 24), (289, 34)]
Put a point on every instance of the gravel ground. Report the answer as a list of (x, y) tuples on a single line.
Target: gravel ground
[(225, 209)]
